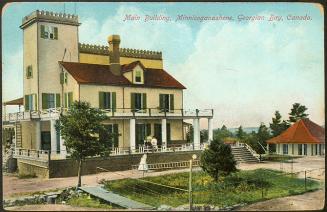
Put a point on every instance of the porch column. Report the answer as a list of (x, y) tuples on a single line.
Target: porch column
[(4, 113), (196, 134), (164, 133), (268, 149), (53, 136), (37, 135), (63, 150), (132, 134), (210, 129)]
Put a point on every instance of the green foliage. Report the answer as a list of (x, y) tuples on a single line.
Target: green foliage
[(85, 201), (278, 126), (218, 159), (222, 133), (238, 187), (203, 135), (263, 135), (297, 112), (240, 134), (81, 127)]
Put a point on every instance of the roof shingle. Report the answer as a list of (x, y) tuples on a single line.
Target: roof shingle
[(85, 73)]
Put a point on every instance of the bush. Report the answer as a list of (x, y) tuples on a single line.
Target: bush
[(218, 159)]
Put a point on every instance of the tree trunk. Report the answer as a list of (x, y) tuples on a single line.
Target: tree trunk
[(79, 173)]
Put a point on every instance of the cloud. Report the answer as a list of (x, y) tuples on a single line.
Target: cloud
[(247, 71)]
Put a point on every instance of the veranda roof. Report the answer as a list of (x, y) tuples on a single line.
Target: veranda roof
[(19, 101), (301, 132)]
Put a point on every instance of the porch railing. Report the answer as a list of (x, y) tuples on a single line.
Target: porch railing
[(117, 112)]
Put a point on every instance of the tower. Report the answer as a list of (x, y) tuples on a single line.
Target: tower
[(48, 38)]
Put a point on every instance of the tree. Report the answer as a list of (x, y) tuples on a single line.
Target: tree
[(240, 134), (218, 158), (84, 133), (297, 112), (263, 135), (222, 133), (278, 126)]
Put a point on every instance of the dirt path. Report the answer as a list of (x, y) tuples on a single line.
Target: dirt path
[(308, 201), (13, 186), (55, 207)]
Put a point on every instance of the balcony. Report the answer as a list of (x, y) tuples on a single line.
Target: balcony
[(118, 113)]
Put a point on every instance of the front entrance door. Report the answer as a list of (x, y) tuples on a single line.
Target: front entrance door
[(46, 140)]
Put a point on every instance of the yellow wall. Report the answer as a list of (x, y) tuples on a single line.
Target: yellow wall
[(28, 135), (104, 59), (70, 86)]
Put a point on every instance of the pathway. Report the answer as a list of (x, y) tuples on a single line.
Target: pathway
[(116, 199)]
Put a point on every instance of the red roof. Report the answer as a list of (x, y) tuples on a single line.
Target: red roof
[(301, 132), (85, 73)]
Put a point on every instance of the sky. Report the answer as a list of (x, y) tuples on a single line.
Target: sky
[(243, 69)]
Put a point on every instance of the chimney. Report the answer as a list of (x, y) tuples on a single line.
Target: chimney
[(114, 57)]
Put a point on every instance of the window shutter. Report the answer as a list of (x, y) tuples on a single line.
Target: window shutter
[(148, 129), (144, 100), (161, 101), (62, 78), (113, 101), (27, 74), (55, 33), (42, 31), (35, 101), (70, 99), (66, 100), (44, 101), (116, 135), (132, 101), (27, 103), (58, 100), (101, 100), (171, 102)]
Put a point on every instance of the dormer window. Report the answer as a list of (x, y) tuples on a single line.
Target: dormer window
[(138, 76)]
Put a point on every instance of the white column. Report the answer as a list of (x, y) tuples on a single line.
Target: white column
[(63, 150), (196, 133), (164, 133), (132, 134), (4, 115), (38, 135), (268, 149), (210, 130), (53, 136)]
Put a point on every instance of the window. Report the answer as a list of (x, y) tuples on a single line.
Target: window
[(299, 149), (107, 100), (138, 76), (305, 149), (166, 102), (63, 77), (29, 72), (138, 102), (316, 149), (68, 99), (30, 102), (50, 100), (285, 149), (49, 32)]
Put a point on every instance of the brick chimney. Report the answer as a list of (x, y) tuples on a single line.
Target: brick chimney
[(114, 57)]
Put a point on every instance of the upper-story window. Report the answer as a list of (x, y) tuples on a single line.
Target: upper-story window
[(63, 77), (49, 32), (138, 76), (138, 102), (30, 102), (29, 72), (166, 102), (107, 100), (50, 100)]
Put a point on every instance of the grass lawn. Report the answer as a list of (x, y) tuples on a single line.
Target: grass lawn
[(86, 201), (239, 187)]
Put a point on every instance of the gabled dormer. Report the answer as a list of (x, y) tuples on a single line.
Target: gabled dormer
[(134, 72)]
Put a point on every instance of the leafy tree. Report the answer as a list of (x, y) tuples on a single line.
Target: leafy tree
[(190, 134), (218, 158), (240, 134), (297, 112), (222, 133), (278, 126), (263, 135), (84, 133)]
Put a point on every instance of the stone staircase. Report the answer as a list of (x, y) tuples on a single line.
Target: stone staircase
[(244, 155)]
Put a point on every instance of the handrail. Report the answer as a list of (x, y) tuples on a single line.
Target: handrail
[(254, 153)]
